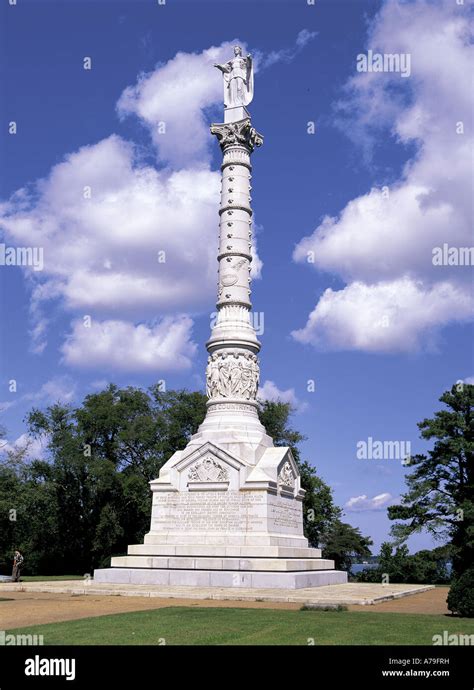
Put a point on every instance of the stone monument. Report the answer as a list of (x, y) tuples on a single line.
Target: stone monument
[(227, 510)]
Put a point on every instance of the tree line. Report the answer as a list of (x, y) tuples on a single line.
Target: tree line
[(88, 497)]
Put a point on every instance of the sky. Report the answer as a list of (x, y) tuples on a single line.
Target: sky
[(363, 176)]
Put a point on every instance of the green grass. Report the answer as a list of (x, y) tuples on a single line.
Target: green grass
[(50, 578), (228, 626)]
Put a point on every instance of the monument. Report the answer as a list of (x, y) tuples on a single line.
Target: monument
[(227, 510)]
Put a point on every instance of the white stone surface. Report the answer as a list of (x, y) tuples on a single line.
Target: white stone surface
[(365, 594), (221, 578), (225, 563), (211, 551)]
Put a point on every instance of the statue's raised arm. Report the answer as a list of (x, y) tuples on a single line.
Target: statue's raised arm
[(238, 79), (223, 68)]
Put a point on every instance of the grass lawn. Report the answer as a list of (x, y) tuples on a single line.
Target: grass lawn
[(228, 626), (50, 578)]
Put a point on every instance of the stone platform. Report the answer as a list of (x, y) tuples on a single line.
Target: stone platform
[(220, 521), (220, 578), (365, 594), (205, 565)]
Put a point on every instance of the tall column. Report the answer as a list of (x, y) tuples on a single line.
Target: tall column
[(232, 375)]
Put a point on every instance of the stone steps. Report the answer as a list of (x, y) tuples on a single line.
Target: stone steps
[(214, 551), (225, 539), (220, 578), (236, 564)]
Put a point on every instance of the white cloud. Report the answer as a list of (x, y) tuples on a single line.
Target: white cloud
[(382, 244), (469, 380), (103, 253), (123, 240), (99, 384), (122, 346), (59, 389), (396, 316), (264, 61), (5, 405), (270, 391), (173, 99), (176, 94), (363, 503), (35, 447)]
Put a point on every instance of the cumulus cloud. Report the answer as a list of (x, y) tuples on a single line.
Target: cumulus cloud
[(124, 241), (172, 101), (363, 503), (270, 391), (120, 345), (381, 244), (59, 389), (144, 241), (34, 448), (392, 316)]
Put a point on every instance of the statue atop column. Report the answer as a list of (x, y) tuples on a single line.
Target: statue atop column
[(238, 84)]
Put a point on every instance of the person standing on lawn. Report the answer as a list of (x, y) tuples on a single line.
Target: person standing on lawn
[(17, 566)]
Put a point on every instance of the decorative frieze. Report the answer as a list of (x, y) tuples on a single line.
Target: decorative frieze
[(232, 374)]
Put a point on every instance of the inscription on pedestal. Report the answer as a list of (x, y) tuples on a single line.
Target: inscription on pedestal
[(230, 511)]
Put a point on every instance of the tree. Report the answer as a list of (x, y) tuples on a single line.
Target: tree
[(343, 543), (321, 517), (318, 505), (89, 497), (440, 496), (399, 566), (461, 595)]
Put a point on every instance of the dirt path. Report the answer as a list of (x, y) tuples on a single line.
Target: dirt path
[(35, 608), (433, 601)]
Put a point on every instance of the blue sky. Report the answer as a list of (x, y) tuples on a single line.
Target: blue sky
[(382, 181)]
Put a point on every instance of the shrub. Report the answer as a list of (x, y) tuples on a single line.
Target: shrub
[(461, 595)]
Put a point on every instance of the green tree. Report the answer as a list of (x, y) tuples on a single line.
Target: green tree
[(88, 498), (440, 496), (423, 567), (343, 543), (321, 517), (319, 510)]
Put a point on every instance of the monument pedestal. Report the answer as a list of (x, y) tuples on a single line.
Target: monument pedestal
[(218, 520)]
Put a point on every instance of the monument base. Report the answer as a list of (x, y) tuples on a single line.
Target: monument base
[(221, 578), (219, 521)]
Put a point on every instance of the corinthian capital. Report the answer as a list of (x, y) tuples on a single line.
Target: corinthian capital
[(239, 133)]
